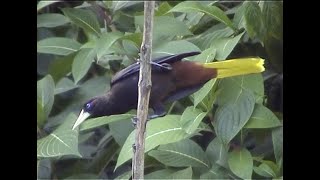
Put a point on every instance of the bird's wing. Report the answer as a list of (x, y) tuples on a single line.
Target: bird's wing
[(134, 68)]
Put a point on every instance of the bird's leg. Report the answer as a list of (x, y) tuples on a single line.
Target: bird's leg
[(159, 111)]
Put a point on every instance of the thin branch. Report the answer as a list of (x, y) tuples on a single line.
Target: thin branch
[(144, 91)]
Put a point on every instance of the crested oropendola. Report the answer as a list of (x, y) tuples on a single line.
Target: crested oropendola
[(172, 79)]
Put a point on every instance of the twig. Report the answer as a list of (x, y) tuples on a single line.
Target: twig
[(144, 91)]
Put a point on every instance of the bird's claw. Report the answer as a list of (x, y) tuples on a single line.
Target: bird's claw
[(134, 120)]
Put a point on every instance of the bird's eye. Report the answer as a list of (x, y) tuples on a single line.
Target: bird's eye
[(88, 106)]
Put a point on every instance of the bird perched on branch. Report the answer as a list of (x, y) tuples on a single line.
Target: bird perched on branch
[(172, 79)]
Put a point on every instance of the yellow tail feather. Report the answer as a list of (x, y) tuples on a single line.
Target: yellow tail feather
[(235, 67)]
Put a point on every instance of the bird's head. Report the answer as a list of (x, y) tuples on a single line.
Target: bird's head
[(93, 108)]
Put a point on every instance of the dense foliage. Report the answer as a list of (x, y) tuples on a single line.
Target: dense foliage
[(231, 128)]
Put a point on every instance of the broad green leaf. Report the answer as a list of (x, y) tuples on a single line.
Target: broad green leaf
[(165, 28), (105, 42), (231, 117), (62, 141), (58, 46), (231, 87), (83, 176), (181, 154), (174, 47), (253, 20), (224, 46), (81, 63), (238, 20), (160, 174), (44, 169), (262, 117), (41, 116), (125, 175), (182, 174), (162, 130), (205, 57), (217, 152), (120, 130), (51, 20), (265, 171), (277, 140), (45, 94), (118, 5), (163, 9), (241, 163), (272, 13), (104, 120), (217, 172), (64, 85), (61, 67), (85, 19), (208, 39), (213, 11), (103, 157), (42, 4), (191, 118), (134, 37)]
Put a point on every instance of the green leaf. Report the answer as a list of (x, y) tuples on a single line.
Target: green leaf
[(217, 152), (231, 117), (104, 120), (120, 130), (85, 19), (45, 94), (41, 116), (191, 118), (277, 140), (272, 13), (231, 87), (264, 170), (105, 42), (174, 47), (64, 85), (42, 4), (241, 163), (83, 176), (217, 172), (61, 67), (262, 117), (160, 174), (163, 10), (224, 46), (50, 20), (162, 130), (134, 37), (253, 20), (63, 141), (213, 11), (238, 19), (181, 154), (81, 63), (118, 5), (165, 28), (125, 175), (182, 174), (58, 46)]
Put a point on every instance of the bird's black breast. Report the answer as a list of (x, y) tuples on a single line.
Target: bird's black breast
[(134, 68)]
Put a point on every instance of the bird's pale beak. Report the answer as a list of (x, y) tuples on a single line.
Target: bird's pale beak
[(83, 116)]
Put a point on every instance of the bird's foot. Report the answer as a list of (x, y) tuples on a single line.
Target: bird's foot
[(134, 148)]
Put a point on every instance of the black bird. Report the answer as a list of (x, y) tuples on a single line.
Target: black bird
[(172, 79)]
